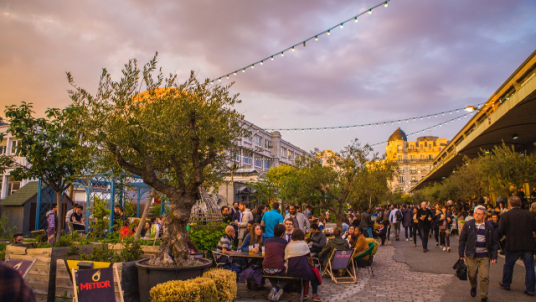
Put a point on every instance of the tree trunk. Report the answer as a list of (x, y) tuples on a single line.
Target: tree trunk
[(174, 248), (59, 226), (143, 217)]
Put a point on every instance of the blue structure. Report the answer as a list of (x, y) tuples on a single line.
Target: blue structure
[(104, 187)]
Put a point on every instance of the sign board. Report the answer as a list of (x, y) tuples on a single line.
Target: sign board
[(340, 260), (92, 285), (21, 266)]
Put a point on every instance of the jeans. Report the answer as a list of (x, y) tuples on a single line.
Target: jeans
[(368, 230), (414, 233), (408, 230), (424, 230), (396, 229), (508, 269), (444, 239), (436, 233), (479, 265)]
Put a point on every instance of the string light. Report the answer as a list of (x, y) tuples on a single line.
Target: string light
[(262, 62), (385, 4), (327, 32), (377, 123)]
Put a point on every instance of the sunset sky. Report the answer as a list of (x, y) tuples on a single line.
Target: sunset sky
[(414, 57)]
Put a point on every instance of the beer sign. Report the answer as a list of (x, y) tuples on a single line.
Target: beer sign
[(95, 284), (21, 266)]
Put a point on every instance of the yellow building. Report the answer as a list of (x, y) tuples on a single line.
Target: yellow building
[(327, 157), (415, 158)]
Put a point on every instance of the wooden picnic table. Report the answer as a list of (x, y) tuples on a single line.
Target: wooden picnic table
[(247, 255)]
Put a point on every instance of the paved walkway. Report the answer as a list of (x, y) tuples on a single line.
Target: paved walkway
[(392, 281)]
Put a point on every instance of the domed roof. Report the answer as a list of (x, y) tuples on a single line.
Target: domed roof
[(398, 135)]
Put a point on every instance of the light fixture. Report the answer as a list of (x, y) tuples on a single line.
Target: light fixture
[(304, 44), (282, 54), (355, 19), (227, 77), (342, 25), (292, 48), (328, 32), (385, 4), (219, 79), (316, 38), (470, 108), (244, 70), (370, 11), (272, 58), (262, 62), (235, 73), (515, 136), (252, 65)]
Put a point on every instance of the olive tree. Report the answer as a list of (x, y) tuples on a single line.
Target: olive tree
[(174, 136)]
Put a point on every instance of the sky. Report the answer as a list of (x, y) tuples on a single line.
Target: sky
[(413, 58)]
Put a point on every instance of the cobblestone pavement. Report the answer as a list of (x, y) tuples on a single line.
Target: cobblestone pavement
[(392, 281)]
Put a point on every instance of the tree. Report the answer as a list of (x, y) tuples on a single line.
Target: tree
[(174, 136), (373, 183), (52, 148)]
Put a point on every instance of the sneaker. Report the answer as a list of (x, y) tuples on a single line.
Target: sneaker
[(407, 239), (448, 250), (316, 297), (484, 300), (272, 293), (437, 244), (444, 249), (278, 295), (473, 292), (414, 245), (503, 286), (528, 293)]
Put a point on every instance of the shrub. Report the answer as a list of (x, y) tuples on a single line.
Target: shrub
[(206, 238), (196, 290), (225, 283)]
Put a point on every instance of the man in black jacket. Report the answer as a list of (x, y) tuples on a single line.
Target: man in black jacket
[(425, 223), (518, 226), (477, 246)]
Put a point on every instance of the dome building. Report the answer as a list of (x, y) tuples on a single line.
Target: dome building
[(415, 159)]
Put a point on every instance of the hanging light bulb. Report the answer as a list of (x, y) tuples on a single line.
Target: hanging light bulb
[(292, 48), (227, 77), (235, 73), (304, 44), (385, 4), (212, 82), (370, 11), (282, 54), (316, 38), (341, 25), (262, 62), (219, 79), (328, 32), (244, 70), (252, 65), (272, 58), (355, 19)]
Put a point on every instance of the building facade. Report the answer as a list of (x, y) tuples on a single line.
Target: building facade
[(415, 159), (9, 186)]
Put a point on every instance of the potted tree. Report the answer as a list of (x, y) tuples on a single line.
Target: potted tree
[(174, 136)]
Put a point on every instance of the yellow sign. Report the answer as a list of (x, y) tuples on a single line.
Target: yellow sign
[(96, 264)]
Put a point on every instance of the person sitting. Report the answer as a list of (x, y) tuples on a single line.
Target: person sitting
[(361, 244), (337, 243), (17, 239), (255, 239), (248, 228), (289, 228), (225, 247), (296, 253), (317, 241), (77, 220), (348, 234), (274, 261)]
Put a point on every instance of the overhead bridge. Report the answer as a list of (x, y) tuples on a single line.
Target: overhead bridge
[(508, 116)]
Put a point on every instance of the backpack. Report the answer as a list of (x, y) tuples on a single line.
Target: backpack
[(398, 216)]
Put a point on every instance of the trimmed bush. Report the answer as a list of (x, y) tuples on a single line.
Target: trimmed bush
[(195, 290), (225, 283)]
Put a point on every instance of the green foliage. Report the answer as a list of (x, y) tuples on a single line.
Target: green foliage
[(3, 251), (157, 208), (207, 238), (195, 290), (100, 209), (130, 209), (131, 252), (5, 230), (225, 283)]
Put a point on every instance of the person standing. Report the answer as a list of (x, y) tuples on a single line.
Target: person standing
[(478, 247), (407, 217), (300, 221), (366, 222), (270, 219), (436, 212), (518, 227), (425, 223), (395, 218), (444, 223), (415, 226), (226, 216), (52, 221), (247, 216)]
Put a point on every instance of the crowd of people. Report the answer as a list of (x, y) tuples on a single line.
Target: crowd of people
[(291, 243)]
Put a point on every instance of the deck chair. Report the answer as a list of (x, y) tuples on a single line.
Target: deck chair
[(360, 263), (341, 260)]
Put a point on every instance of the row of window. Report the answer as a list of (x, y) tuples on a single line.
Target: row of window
[(12, 148), (413, 157), (247, 158), (413, 180), (12, 186)]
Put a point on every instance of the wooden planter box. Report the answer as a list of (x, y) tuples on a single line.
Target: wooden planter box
[(148, 250), (42, 278)]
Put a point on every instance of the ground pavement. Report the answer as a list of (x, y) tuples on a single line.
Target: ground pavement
[(404, 273)]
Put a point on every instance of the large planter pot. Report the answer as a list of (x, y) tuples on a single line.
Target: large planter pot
[(149, 276)]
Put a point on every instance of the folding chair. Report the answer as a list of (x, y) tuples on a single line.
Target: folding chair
[(217, 256), (360, 263), (341, 260)]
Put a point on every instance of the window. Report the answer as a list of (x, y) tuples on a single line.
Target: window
[(291, 155), (247, 159), (258, 140), (422, 156), (413, 170), (235, 155), (400, 179), (400, 158), (3, 150), (267, 144), (258, 162), (12, 186), (266, 164), (412, 157), (414, 179), (14, 145), (284, 152), (1, 185), (430, 156)]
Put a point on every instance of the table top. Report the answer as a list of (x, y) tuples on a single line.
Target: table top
[(246, 255)]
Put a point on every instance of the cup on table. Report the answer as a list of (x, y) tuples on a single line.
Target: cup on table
[(251, 249), (263, 251), (257, 247)]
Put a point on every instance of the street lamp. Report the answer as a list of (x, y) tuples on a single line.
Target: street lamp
[(470, 108)]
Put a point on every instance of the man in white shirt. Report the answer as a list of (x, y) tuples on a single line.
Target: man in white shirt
[(299, 219)]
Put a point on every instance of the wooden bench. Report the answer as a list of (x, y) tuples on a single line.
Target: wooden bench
[(289, 279)]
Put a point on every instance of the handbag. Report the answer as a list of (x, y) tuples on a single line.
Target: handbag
[(461, 269)]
